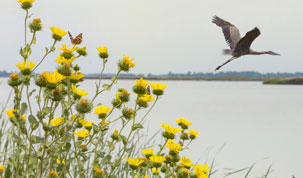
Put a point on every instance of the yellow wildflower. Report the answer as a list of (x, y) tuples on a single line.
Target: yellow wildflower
[(86, 123), (53, 78), (157, 160), (63, 60), (126, 63), (147, 98), (135, 162), (99, 171), (158, 86), (82, 133), (172, 146), (23, 1), (201, 171), (102, 49), (53, 174), (102, 111), (66, 50), (141, 83), (155, 170), (122, 95), (37, 20), (186, 162), (23, 117), (146, 176), (169, 129), (1, 168), (10, 113), (59, 162), (58, 31), (76, 76), (79, 92), (73, 116), (148, 152), (25, 67), (184, 123), (193, 133), (102, 52), (56, 122)]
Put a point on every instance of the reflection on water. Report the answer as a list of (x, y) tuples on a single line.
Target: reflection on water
[(257, 123)]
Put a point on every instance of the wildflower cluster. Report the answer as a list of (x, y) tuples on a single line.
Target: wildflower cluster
[(170, 164), (52, 133)]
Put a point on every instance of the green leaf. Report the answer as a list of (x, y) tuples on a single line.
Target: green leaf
[(124, 139), (23, 108), (137, 126), (33, 122), (37, 139), (106, 86), (8, 172), (30, 93)]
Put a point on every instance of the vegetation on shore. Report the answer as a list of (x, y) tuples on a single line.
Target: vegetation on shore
[(284, 81)]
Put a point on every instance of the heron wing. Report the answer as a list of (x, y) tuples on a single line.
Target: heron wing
[(247, 40), (231, 32)]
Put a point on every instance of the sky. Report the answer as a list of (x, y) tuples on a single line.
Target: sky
[(162, 35)]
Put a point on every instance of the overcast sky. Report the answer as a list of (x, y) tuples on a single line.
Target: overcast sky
[(162, 35)]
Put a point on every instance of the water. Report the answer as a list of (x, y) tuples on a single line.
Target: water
[(257, 123)]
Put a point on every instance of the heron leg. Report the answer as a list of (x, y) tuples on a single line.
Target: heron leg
[(229, 60)]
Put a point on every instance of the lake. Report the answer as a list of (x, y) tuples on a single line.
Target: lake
[(257, 123)]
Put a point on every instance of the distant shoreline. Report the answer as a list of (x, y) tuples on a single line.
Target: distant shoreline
[(264, 80)]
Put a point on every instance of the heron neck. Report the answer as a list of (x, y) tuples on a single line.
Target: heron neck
[(258, 53)]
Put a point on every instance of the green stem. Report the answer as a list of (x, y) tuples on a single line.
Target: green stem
[(33, 38), (110, 85), (162, 147), (45, 137), (25, 20), (149, 110), (28, 101), (46, 54), (128, 137)]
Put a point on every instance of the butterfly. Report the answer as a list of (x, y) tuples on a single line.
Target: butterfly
[(77, 40), (148, 89)]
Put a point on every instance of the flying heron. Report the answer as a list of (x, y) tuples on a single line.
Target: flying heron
[(238, 46)]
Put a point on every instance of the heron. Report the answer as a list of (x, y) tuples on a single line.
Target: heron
[(238, 46)]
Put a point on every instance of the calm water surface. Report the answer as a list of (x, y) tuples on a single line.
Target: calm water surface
[(257, 123)]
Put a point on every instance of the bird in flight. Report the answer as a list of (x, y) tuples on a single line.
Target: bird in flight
[(238, 46)]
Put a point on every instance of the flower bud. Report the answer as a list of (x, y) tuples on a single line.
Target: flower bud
[(82, 51), (65, 69), (115, 135), (84, 106), (40, 81), (76, 68), (57, 94), (35, 25), (14, 80), (128, 113), (168, 159), (83, 147), (184, 136), (116, 103)]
